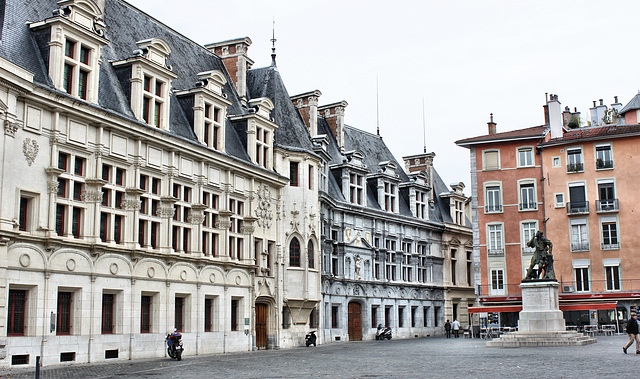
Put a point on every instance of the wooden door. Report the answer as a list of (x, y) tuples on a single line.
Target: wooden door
[(355, 322), (261, 326)]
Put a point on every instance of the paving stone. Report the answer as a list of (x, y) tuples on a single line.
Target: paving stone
[(398, 358)]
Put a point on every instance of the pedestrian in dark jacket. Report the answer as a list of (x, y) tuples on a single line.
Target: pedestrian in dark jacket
[(447, 328), (632, 331)]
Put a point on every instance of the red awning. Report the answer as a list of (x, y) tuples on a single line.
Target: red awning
[(563, 307)]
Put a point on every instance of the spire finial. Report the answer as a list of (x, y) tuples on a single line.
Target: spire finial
[(273, 44), (424, 128), (377, 109), (491, 117)]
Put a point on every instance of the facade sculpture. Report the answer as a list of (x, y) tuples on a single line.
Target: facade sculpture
[(542, 258)]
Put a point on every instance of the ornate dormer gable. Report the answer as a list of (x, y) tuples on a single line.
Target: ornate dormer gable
[(260, 131), (387, 182), (150, 78), (457, 203), (353, 173), (209, 105), (76, 38), (419, 194)]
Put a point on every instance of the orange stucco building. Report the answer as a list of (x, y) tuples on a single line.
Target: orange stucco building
[(577, 185)]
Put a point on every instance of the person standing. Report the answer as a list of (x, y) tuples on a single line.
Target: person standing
[(447, 328), (456, 328), (632, 331)]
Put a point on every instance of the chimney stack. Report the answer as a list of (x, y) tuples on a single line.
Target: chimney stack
[(598, 113), (235, 59), (492, 126), (307, 105), (555, 116), (334, 115)]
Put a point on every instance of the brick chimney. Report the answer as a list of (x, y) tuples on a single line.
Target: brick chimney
[(235, 59), (492, 126), (334, 115), (307, 105)]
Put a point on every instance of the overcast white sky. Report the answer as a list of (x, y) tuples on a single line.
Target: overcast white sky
[(465, 58)]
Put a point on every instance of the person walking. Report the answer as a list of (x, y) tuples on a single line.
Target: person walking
[(456, 328), (632, 331), (447, 328)]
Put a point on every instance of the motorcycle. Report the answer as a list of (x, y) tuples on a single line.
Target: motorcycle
[(174, 345), (383, 332), (310, 339)]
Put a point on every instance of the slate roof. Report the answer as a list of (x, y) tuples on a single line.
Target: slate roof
[(632, 105), (532, 132), (125, 25)]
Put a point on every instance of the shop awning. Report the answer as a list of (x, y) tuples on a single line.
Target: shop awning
[(563, 307)]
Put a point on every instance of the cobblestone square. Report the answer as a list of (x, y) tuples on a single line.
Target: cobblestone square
[(398, 358)]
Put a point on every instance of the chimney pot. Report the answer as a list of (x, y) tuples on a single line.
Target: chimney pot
[(615, 99), (491, 126), (601, 102), (594, 103)]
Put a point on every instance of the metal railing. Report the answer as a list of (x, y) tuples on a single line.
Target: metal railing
[(608, 205), (496, 208), (580, 246), (528, 206), (610, 246), (575, 167), (495, 252), (600, 164), (577, 207)]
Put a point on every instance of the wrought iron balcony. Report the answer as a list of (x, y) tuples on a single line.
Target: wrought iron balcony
[(600, 164), (528, 206), (496, 252), (579, 246), (609, 205), (577, 207), (575, 167), (610, 246), (495, 208)]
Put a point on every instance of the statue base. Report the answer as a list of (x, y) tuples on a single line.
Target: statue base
[(541, 322)]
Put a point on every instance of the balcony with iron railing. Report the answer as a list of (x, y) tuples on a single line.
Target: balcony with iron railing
[(495, 252), (575, 167), (493, 208), (577, 208), (606, 164), (577, 247), (528, 206), (610, 246), (607, 205)]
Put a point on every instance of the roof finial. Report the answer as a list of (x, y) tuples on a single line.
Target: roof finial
[(424, 128), (273, 45), (377, 109)]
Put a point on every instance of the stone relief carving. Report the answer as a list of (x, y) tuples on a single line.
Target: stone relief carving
[(10, 128), (90, 196), (264, 212), (30, 149)]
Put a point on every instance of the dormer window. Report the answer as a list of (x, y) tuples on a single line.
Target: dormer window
[(356, 190), (390, 196), (212, 126), (262, 145), (150, 80), (75, 33), (421, 204), (260, 131)]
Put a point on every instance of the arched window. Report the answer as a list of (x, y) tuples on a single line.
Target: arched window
[(311, 255), (294, 252)]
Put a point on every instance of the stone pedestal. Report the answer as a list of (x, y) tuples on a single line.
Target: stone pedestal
[(541, 321)]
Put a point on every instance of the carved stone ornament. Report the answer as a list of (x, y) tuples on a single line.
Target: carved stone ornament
[(264, 213), (224, 220), (52, 186), (10, 128), (30, 149), (131, 204), (91, 196), (166, 212), (196, 216), (247, 225)]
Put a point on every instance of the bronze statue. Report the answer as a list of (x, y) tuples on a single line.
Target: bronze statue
[(542, 257)]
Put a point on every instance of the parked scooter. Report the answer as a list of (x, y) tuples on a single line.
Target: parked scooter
[(174, 345), (310, 338), (383, 332)]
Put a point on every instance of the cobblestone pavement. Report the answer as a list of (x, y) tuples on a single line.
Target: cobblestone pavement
[(407, 358)]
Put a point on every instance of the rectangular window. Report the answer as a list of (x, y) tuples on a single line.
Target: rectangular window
[(334, 316), (493, 201), (604, 159), (293, 174), (578, 203), (179, 313), (78, 166), (311, 175), (61, 212), (491, 160), (374, 316), (69, 48), (64, 313), (609, 233), (574, 160), (67, 78), (76, 222), (582, 279), (607, 201), (495, 245), (145, 314), (400, 317), (120, 176), (527, 197), (83, 78), (24, 213), (469, 269), (16, 312), (235, 304), (84, 54), (579, 235), (497, 282), (63, 161), (525, 157), (389, 197), (208, 313), (355, 188), (612, 274), (107, 313)]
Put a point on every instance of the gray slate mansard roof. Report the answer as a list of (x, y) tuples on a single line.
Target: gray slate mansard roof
[(125, 25)]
